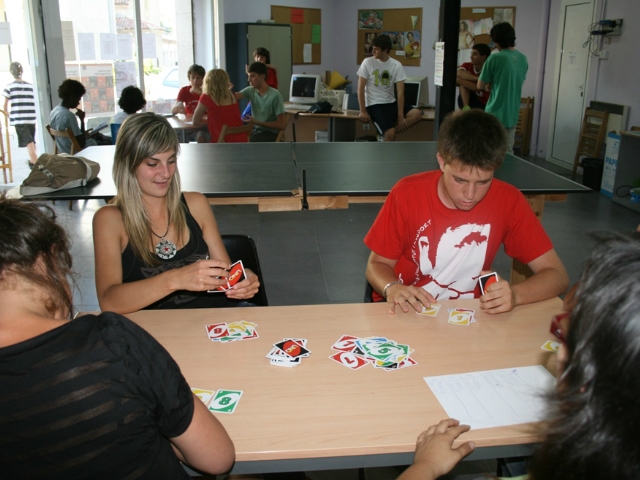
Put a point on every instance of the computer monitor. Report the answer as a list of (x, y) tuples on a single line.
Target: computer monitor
[(305, 88), (416, 92)]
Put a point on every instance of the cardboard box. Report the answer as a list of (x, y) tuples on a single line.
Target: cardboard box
[(610, 164)]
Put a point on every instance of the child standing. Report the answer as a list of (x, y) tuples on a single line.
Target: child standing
[(22, 114), (220, 106)]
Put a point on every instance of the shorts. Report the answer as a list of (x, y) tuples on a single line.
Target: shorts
[(26, 133), (474, 101), (385, 115), (259, 135)]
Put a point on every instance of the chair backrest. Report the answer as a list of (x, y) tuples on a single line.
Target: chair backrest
[(523, 127), (68, 133), (115, 127), (593, 133), (635, 128), (227, 130), (280, 137), (368, 292), (242, 247)]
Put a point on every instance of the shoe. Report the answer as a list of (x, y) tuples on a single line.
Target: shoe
[(466, 107), (30, 165)]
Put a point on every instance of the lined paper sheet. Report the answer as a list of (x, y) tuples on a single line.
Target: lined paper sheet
[(494, 398)]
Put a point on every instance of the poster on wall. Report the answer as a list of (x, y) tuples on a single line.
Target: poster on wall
[(98, 80), (371, 19)]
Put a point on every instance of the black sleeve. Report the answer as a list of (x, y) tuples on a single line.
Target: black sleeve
[(157, 376)]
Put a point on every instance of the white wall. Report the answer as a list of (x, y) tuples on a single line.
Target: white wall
[(612, 80)]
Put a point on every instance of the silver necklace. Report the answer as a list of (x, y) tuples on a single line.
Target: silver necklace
[(165, 249)]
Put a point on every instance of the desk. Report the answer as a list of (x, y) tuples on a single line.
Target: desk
[(346, 126), (322, 415), (185, 126)]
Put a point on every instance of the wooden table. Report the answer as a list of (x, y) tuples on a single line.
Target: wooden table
[(346, 126), (183, 125), (322, 415)]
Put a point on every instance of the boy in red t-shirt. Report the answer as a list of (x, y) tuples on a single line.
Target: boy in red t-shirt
[(189, 95), (467, 79), (188, 98)]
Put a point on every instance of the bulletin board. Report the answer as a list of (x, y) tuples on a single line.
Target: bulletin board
[(482, 19), (398, 23), (306, 27)]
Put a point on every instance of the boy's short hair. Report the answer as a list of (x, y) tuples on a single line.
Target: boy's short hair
[(482, 48), (71, 89), (16, 69), (263, 52), (383, 42), (504, 35), (196, 69), (131, 99), (259, 68), (474, 138)]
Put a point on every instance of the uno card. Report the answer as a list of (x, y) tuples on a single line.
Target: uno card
[(550, 346), (432, 311), (292, 349), (236, 274), (349, 360), (486, 280), (459, 318), (225, 401), (217, 330), (204, 395), (345, 344)]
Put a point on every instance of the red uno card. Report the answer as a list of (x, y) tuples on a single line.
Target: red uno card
[(349, 360), (236, 273), (486, 280), (345, 344), (292, 349), (217, 330)]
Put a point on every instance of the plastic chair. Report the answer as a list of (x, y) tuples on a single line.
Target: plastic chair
[(5, 150), (242, 247), (226, 130), (368, 293), (114, 132), (591, 137), (68, 133)]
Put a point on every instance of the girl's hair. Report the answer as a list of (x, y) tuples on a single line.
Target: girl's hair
[(141, 136), (594, 435), (131, 99), (36, 248), (216, 85), (263, 52)]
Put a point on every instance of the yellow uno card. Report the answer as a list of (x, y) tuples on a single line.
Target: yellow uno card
[(204, 395), (432, 311), (550, 346), (459, 318)]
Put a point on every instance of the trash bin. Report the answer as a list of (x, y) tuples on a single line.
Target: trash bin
[(592, 173)]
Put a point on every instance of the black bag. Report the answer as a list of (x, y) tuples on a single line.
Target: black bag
[(321, 107)]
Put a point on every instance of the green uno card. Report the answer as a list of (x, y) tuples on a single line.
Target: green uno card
[(225, 401)]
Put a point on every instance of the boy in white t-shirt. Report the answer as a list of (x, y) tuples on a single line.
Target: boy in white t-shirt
[(377, 77)]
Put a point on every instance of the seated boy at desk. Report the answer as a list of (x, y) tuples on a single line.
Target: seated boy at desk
[(188, 98), (438, 231), (267, 107), (377, 77)]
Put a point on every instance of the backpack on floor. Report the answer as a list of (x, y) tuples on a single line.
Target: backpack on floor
[(58, 172)]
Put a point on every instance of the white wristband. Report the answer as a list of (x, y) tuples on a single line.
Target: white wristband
[(384, 290)]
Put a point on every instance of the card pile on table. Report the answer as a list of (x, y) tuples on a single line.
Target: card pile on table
[(461, 316), (430, 311), (219, 401), (230, 332), (288, 352), (381, 352)]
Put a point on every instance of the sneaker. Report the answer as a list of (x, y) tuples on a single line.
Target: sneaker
[(30, 165), (466, 107)]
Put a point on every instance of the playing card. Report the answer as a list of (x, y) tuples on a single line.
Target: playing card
[(459, 318), (292, 349), (349, 360), (225, 401), (217, 330), (432, 311), (236, 274), (345, 344), (551, 346), (204, 395), (486, 280)]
